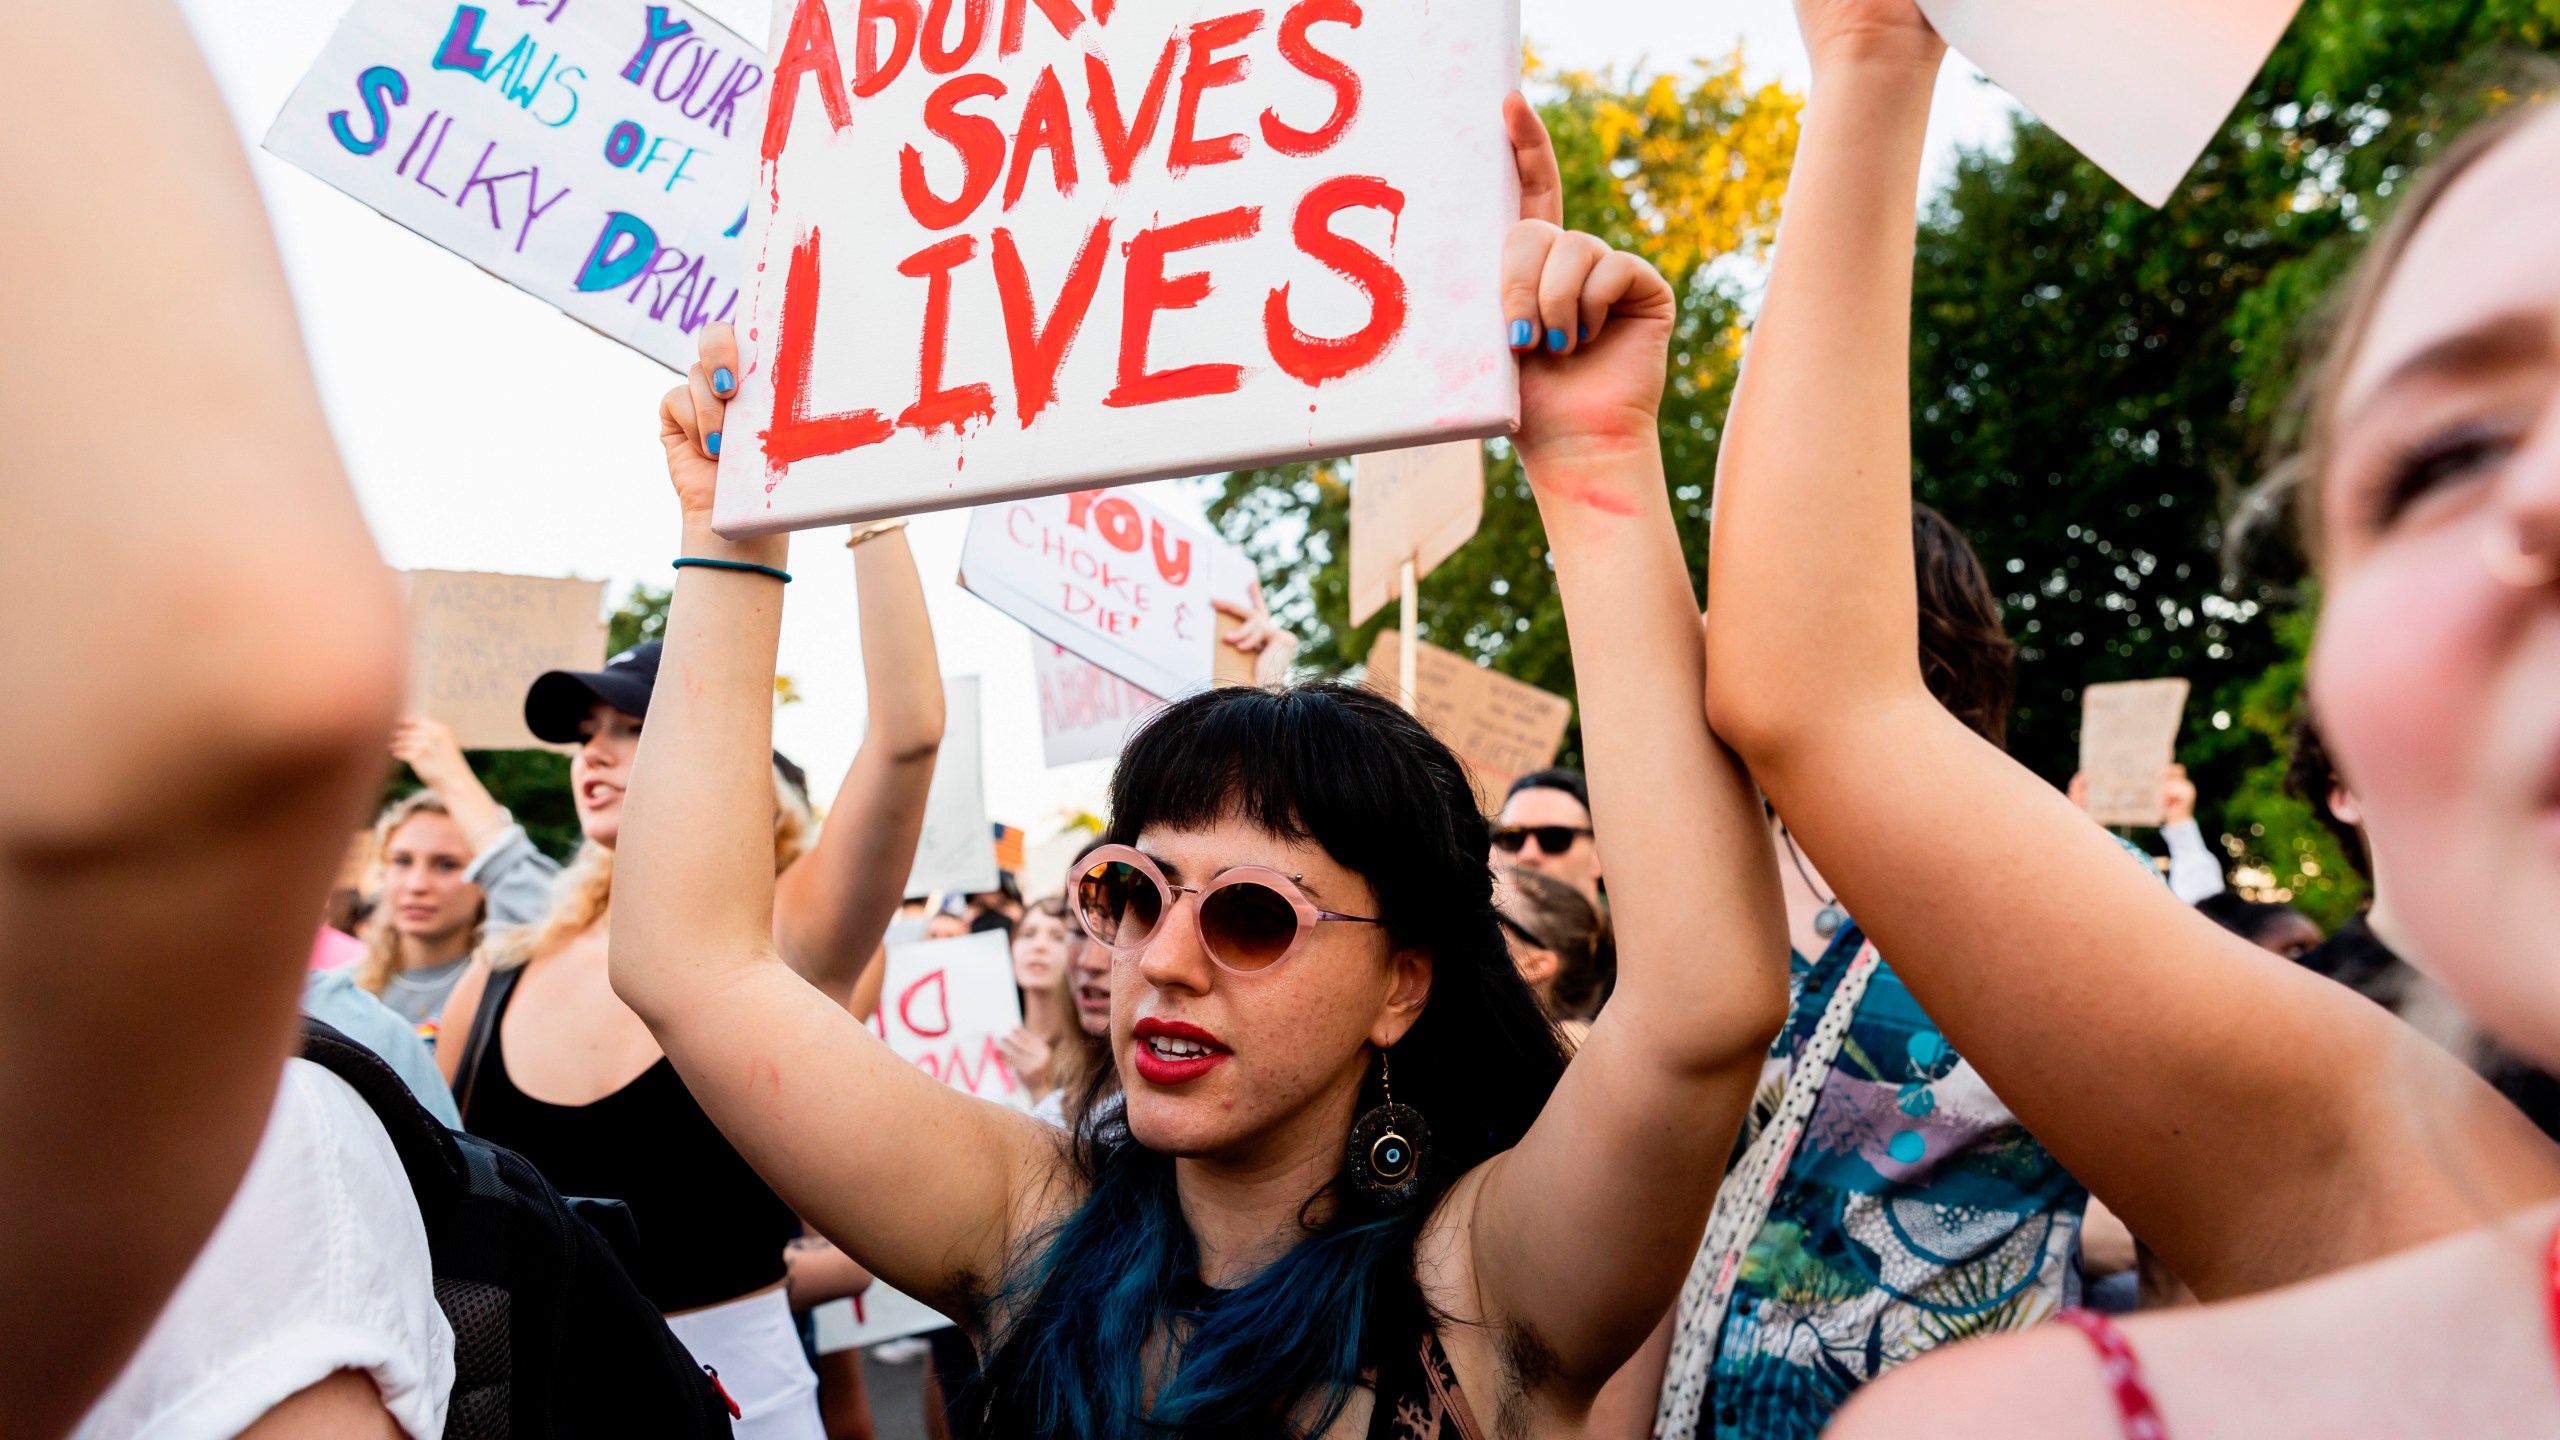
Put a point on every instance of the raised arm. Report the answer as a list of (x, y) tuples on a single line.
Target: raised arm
[(915, 1180), (428, 748), (202, 655), (833, 906), (1583, 1233), (2250, 1121)]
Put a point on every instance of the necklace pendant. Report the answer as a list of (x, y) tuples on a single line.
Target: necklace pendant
[(1827, 922)]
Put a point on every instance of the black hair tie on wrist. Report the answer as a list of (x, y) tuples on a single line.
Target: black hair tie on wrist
[(782, 575)]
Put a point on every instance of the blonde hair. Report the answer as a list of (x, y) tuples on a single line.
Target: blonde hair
[(1073, 1055), (381, 958), (584, 891), (2512, 101)]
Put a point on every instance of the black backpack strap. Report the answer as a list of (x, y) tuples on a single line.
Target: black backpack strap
[(484, 1024), (427, 1150)]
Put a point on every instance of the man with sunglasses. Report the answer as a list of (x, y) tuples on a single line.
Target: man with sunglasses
[(1546, 827)]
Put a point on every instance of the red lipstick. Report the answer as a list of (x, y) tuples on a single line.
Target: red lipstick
[(1195, 1052)]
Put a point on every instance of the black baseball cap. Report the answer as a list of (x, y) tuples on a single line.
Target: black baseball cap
[(561, 700)]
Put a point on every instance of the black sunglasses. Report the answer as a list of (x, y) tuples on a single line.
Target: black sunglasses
[(1552, 839)]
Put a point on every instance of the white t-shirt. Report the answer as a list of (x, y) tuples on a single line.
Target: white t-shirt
[(319, 1265)]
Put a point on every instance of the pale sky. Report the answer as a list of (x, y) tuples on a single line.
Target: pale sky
[(485, 431)]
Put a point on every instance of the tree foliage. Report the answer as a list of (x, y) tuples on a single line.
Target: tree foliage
[(2100, 387), (1686, 171)]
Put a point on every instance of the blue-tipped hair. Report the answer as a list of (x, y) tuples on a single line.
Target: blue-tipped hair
[(1279, 1354)]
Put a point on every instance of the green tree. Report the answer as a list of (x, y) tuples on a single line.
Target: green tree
[(2099, 386), (2282, 848), (641, 616), (1686, 171)]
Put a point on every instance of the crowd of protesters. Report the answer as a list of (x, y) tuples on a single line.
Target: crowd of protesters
[(1868, 1089)]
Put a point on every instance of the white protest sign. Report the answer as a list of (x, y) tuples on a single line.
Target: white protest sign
[(957, 852), (477, 641), (1012, 247), (943, 1006), (598, 154), (874, 1317), (2139, 86), (2128, 736), (1111, 577), (1086, 712), (1419, 505)]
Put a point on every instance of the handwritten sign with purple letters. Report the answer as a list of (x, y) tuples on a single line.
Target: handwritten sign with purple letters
[(598, 154)]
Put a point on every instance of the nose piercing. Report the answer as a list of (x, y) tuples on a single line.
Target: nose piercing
[(2509, 563)]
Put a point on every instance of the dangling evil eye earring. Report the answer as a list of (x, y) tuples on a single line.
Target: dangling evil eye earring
[(1389, 1147)]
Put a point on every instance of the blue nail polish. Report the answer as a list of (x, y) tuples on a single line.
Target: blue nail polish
[(1583, 336), (722, 382), (1556, 341), (1523, 335), (711, 444)]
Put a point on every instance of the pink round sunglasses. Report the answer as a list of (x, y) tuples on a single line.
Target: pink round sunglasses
[(1251, 917)]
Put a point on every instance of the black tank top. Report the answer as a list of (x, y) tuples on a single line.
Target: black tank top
[(710, 1228)]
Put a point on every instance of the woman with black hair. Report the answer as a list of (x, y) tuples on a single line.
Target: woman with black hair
[(1355, 1190)]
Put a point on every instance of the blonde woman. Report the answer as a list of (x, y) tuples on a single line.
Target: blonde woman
[(1050, 1052), (513, 877), (546, 1059), (429, 918)]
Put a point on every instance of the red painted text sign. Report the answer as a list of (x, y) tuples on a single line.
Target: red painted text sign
[(1114, 578), (1013, 247), (943, 1006)]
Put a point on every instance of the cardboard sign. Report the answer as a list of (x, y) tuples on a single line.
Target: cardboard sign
[(1112, 578), (477, 641), (597, 154), (1116, 241), (1086, 712), (1502, 728), (1418, 505), (2141, 87), (2128, 735), (874, 1317), (943, 1006), (957, 852)]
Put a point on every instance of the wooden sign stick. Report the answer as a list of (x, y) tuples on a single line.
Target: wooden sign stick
[(1408, 615)]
